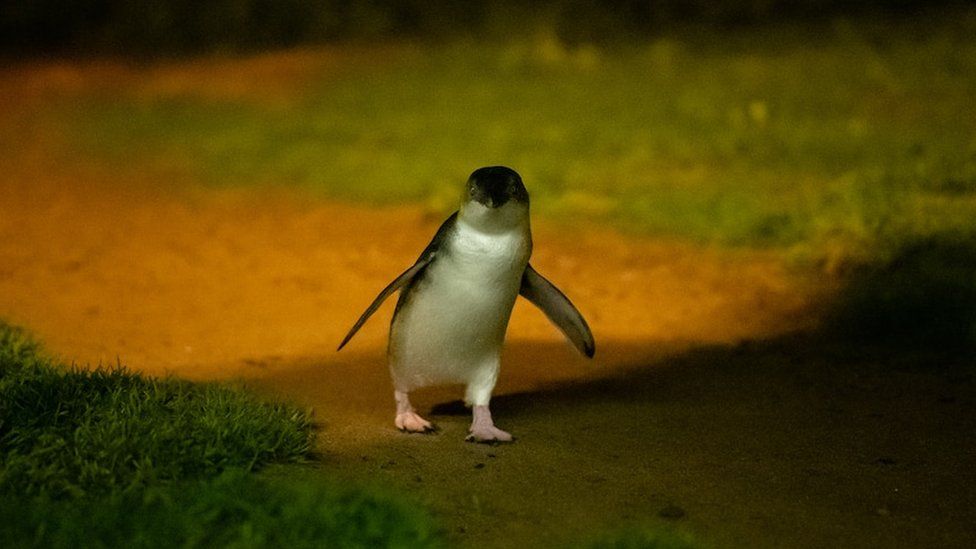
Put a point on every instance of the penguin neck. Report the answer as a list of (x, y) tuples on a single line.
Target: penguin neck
[(512, 218)]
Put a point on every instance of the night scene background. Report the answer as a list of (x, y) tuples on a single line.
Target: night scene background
[(765, 210)]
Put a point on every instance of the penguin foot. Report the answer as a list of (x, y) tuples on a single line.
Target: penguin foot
[(488, 434), (483, 428), (411, 422)]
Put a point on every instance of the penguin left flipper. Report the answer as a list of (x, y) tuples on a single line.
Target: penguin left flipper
[(560, 310), (405, 278), (397, 283)]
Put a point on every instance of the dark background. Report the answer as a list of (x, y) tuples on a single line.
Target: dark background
[(175, 27)]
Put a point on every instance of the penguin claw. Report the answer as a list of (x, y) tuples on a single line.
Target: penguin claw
[(411, 422)]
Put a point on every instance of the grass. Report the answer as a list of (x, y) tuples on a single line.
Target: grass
[(79, 433), (108, 458), (235, 509), (830, 142)]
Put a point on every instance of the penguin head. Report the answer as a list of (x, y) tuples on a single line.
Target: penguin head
[(495, 186), (495, 199)]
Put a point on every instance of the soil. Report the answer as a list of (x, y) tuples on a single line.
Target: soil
[(703, 410)]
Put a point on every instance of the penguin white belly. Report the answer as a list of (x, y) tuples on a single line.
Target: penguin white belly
[(451, 326)]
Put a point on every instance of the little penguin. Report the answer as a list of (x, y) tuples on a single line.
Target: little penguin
[(455, 302)]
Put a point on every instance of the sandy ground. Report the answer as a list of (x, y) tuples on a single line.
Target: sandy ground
[(700, 412)]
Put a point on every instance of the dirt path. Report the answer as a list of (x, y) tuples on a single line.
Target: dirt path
[(771, 444), (224, 284)]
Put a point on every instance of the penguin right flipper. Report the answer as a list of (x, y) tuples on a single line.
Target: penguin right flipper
[(560, 310), (405, 278)]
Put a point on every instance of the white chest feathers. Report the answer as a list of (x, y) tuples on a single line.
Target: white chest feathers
[(487, 260), (452, 324)]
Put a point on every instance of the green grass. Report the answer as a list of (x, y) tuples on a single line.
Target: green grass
[(77, 433), (108, 458), (235, 509), (820, 140)]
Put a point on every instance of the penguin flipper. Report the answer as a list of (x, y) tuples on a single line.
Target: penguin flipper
[(405, 278), (560, 310), (397, 283)]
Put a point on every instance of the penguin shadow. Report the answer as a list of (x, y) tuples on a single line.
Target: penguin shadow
[(803, 380), (535, 374), (546, 382), (658, 390)]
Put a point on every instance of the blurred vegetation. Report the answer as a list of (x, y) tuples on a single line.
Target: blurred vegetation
[(834, 143), (174, 27)]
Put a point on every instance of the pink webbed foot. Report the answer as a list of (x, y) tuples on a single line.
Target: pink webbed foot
[(488, 434), (483, 428), (411, 422), (406, 418)]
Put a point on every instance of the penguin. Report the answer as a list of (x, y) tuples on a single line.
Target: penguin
[(455, 302)]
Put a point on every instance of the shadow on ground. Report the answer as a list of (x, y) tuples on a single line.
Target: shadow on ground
[(798, 441), (923, 296)]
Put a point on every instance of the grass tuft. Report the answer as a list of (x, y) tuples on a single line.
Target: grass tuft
[(86, 433), (19, 352)]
